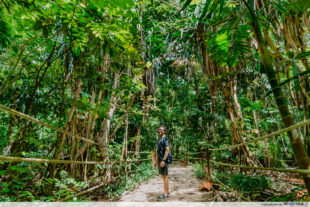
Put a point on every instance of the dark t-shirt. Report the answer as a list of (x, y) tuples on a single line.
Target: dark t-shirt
[(161, 144)]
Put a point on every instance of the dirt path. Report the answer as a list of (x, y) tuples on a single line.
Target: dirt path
[(183, 185)]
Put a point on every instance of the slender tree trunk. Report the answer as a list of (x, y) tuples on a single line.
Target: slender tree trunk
[(60, 142), (125, 143), (237, 104), (236, 136), (103, 134)]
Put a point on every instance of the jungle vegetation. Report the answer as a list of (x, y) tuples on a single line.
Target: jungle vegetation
[(214, 72)]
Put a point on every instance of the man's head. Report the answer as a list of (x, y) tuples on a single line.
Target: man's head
[(161, 130)]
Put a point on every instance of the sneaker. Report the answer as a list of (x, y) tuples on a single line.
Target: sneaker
[(162, 197)]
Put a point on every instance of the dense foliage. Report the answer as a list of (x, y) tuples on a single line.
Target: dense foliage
[(215, 73)]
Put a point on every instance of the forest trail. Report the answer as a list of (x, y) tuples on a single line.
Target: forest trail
[(183, 186)]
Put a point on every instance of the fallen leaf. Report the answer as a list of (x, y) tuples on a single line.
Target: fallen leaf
[(206, 185), (301, 193), (183, 163)]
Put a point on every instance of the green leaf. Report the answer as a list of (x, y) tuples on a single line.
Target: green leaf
[(61, 192), (302, 55), (186, 4), (197, 55), (222, 41), (296, 86), (302, 5), (17, 168), (204, 11)]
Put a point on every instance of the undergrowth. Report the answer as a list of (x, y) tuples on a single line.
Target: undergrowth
[(15, 182), (255, 187), (113, 190)]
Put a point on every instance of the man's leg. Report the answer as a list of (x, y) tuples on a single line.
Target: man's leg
[(166, 185)]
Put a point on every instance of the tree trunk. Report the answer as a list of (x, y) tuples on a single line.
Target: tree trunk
[(60, 142), (103, 134), (236, 136), (125, 143)]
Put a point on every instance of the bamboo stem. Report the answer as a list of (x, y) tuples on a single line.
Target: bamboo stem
[(37, 160), (25, 116), (301, 171)]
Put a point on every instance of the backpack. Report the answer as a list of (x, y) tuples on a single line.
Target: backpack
[(169, 158)]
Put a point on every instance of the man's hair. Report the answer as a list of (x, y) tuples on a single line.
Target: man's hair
[(162, 126)]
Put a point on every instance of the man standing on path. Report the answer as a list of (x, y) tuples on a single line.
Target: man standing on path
[(161, 157)]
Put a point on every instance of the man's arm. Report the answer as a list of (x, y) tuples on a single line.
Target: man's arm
[(163, 163), (154, 158), (155, 164), (166, 153)]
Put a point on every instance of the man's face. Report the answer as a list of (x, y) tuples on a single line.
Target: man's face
[(161, 131)]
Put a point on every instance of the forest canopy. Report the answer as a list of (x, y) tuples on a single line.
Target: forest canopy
[(100, 76)]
